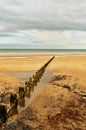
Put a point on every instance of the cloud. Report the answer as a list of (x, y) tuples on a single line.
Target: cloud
[(43, 24), (16, 15), (45, 39)]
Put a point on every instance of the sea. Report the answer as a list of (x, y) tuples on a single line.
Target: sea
[(20, 52)]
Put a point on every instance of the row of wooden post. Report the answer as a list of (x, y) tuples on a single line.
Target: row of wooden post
[(19, 99)]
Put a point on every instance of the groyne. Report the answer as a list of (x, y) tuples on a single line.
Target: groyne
[(19, 98)]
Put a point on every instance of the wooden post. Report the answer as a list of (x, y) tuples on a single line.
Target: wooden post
[(3, 114), (27, 83), (13, 98), (21, 92), (35, 80), (36, 77), (14, 103), (28, 92), (21, 96)]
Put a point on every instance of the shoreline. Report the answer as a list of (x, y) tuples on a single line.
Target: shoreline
[(11, 56)]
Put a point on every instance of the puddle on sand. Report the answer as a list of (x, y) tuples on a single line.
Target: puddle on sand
[(22, 76)]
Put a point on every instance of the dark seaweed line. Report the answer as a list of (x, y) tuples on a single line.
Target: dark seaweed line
[(19, 99)]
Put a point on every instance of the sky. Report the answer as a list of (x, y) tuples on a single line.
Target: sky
[(45, 24)]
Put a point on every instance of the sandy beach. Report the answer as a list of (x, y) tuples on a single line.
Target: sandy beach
[(72, 65), (61, 96), (42, 65)]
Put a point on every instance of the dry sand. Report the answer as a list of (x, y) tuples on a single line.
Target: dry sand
[(60, 105)]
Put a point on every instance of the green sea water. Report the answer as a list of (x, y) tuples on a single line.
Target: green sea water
[(43, 50)]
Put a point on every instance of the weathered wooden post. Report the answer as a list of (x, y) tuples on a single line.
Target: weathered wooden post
[(41, 72), (32, 80), (35, 80), (28, 92), (3, 114), (13, 98), (38, 76), (21, 96), (27, 88), (14, 103), (27, 83)]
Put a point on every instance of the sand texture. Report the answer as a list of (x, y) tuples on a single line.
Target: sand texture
[(61, 105)]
